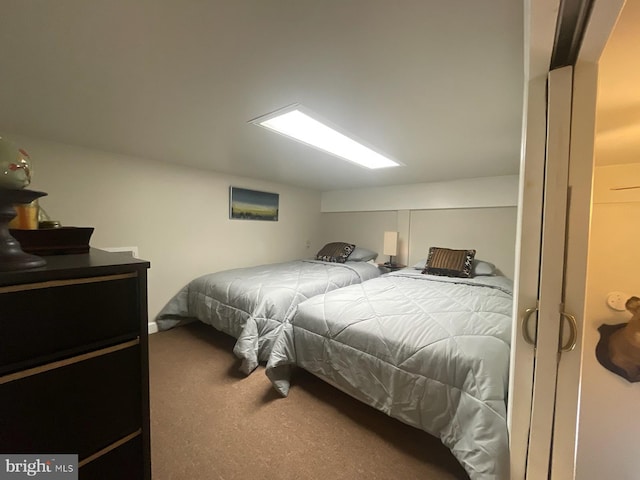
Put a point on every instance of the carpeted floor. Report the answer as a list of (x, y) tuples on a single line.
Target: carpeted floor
[(209, 422)]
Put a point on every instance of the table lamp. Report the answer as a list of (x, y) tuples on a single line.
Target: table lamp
[(390, 246)]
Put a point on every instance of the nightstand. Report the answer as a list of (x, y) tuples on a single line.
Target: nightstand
[(385, 268)]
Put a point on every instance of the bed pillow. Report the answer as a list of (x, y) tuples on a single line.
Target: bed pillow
[(421, 264), (449, 263), (480, 267), (360, 254), (336, 252)]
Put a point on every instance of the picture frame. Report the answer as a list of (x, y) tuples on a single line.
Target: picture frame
[(245, 204)]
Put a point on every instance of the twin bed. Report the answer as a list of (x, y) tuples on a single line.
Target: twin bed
[(429, 350), (251, 303)]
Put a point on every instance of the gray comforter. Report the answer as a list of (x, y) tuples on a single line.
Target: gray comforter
[(430, 351), (250, 303)]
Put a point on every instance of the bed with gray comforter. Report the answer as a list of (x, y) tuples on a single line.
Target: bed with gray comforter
[(250, 303), (430, 351)]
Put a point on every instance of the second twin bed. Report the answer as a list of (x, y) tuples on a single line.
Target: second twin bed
[(428, 350)]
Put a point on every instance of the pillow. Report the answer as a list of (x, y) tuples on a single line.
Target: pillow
[(449, 263), (421, 264), (360, 254), (480, 267), (336, 252)]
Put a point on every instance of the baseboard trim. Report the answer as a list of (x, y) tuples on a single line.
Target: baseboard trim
[(153, 327)]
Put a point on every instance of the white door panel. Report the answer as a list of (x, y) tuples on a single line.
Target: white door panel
[(551, 272), (578, 225), (527, 272)]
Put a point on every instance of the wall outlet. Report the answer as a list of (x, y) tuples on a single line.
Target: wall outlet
[(617, 300)]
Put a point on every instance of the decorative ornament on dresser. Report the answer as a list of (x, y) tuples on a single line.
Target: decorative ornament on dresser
[(15, 166), (15, 175)]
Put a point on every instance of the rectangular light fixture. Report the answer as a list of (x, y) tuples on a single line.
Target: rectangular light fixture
[(298, 123)]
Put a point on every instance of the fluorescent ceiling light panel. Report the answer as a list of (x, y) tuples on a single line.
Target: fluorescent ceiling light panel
[(299, 125)]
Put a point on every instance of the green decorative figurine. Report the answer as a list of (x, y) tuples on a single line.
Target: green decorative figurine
[(15, 166)]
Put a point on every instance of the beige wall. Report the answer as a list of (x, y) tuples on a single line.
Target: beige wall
[(491, 231), (365, 229), (609, 426), (464, 193), (475, 213), (178, 217)]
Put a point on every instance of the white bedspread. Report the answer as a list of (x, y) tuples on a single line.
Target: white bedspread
[(430, 351), (250, 303)]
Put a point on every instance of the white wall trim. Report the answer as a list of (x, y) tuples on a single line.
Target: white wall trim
[(152, 327), (466, 193)]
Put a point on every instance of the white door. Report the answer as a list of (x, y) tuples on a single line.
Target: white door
[(540, 27), (574, 283), (550, 315), (550, 309), (545, 358), (539, 276), (526, 279)]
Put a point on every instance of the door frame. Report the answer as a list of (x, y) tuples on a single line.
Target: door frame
[(540, 22)]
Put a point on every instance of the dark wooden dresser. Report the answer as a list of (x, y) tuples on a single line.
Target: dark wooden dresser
[(74, 371)]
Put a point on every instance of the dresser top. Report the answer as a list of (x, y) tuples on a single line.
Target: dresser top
[(95, 262)]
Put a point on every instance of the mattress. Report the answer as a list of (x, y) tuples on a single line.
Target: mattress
[(250, 303), (430, 351)]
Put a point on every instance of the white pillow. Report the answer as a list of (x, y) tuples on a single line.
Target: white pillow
[(360, 254), (480, 267), (420, 265)]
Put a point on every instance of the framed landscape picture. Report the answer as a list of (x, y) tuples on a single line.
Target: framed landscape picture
[(253, 205)]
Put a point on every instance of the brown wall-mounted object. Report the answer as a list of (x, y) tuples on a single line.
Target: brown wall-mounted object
[(619, 347)]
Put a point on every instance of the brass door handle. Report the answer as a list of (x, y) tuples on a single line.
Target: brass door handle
[(573, 334), (525, 325)]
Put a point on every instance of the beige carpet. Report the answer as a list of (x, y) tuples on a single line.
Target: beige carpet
[(208, 422)]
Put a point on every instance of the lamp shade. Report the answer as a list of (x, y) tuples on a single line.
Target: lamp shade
[(390, 243)]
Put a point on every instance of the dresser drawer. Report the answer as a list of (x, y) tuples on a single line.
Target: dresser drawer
[(44, 321), (79, 407), (122, 463)]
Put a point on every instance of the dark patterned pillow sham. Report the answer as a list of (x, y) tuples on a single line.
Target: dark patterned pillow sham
[(336, 252), (449, 263)]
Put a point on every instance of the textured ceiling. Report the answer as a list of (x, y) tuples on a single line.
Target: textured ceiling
[(435, 84)]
